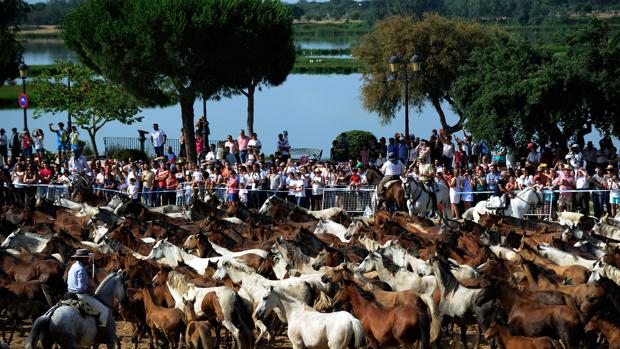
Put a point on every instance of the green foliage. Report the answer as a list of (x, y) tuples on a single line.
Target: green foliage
[(51, 12), (125, 154), (442, 44), (11, 12), (355, 140), (92, 101), (513, 91), (163, 50)]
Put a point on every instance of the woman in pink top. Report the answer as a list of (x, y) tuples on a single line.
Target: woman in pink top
[(232, 186)]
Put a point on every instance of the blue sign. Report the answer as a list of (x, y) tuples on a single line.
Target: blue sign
[(23, 101)]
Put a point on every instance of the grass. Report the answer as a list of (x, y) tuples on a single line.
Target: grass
[(305, 65)]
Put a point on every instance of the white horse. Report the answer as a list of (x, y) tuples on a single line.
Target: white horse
[(326, 226), (171, 255), (181, 289), (398, 278), (307, 328), (518, 207), (65, 326), (293, 257), (419, 201), (562, 258), (32, 242), (401, 257)]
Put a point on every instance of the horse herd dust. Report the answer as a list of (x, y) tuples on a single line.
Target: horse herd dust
[(283, 277)]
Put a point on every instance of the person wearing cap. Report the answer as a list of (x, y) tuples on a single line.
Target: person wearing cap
[(77, 285), (500, 190), (574, 157), (392, 170), (426, 176), (158, 139), (533, 156), (318, 183)]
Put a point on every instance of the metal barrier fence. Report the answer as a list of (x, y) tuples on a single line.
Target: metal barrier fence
[(115, 143), (352, 201)]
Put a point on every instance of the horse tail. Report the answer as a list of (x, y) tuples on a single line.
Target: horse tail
[(205, 338), (435, 326), (424, 325), (359, 339), (40, 326), (244, 318)]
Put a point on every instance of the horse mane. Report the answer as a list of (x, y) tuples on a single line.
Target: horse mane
[(179, 282), (538, 270), (387, 263), (294, 253), (365, 294), (450, 283), (238, 265)]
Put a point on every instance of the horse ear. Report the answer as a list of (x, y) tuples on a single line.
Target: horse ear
[(270, 288)]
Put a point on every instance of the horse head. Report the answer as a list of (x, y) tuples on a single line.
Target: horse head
[(267, 205)]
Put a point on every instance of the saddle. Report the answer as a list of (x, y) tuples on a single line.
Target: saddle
[(389, 184), (83, 308)]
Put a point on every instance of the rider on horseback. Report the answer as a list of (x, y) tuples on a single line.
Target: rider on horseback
[(392, 170), (427, 178), (77, 285), (500, 192)]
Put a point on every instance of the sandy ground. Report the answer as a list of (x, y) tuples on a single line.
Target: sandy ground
[(124, 331)]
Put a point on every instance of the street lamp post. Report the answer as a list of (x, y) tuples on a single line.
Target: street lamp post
[(23, 73), (414, 65)]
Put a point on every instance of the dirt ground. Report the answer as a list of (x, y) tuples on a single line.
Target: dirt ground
[(124, 331)]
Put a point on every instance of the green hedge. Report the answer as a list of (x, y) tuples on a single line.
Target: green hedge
[(125, 154), (355, 140)]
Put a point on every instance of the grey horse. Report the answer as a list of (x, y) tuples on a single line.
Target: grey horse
[(65, 326)]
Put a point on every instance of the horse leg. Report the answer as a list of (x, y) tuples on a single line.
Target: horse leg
[(463, 334), (263, 329), (478, 335), (234, 331)]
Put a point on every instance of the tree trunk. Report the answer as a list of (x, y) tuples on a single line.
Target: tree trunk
[(187, 116), (442, 118), (250, 95), (92, 134)]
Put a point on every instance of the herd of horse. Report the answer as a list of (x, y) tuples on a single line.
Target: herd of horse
[(213, 276)]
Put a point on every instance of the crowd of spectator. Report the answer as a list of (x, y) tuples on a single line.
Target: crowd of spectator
[(238, 166)]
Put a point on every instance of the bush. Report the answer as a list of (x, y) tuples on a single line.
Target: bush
[(125, 154), (351, 142)]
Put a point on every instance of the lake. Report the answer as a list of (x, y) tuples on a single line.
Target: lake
[(314, 109)]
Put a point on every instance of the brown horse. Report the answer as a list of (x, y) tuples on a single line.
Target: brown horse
[(610, 330), (393, 195), (382, 325), (533, 319), (197, 333), (169, 321), (508, 341)]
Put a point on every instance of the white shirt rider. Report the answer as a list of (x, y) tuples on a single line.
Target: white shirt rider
[(390, 168)]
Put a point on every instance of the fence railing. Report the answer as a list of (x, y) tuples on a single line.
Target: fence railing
[(353, 201), (114, 143)]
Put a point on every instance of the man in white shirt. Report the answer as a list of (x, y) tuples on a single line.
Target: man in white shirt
[(133, 189), (574, 157), (283, 146), (158, 138), (77, 163), (392, 170), (254, 143)]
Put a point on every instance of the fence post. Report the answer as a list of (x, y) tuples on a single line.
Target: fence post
[(142, 139)]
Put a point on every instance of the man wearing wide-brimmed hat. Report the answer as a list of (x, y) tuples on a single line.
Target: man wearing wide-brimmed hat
[(77, 285)]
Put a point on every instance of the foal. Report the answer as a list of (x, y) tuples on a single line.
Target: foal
[(197, 333), (170, 321), (610, 330), (507, 341)]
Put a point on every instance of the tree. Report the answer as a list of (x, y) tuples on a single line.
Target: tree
[(380, 9), (11, 11), (92, 101), (163, 50), (443, 44), (262, 51), (513, 91)]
